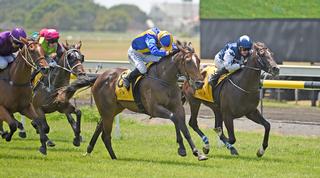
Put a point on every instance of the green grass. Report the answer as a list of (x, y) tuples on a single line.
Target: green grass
[(150, 151), (244, 9)]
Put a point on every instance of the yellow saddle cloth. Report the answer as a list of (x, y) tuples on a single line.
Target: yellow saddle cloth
[(206, 93), (121, 92)]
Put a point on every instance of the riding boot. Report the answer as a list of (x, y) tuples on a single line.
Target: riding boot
[(131, 78), (213, 79)]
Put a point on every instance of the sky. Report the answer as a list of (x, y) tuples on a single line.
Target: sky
[(144, 5)]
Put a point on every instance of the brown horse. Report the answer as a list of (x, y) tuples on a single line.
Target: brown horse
[(16, 91), (160, 96), (235, 97), (45, 92)]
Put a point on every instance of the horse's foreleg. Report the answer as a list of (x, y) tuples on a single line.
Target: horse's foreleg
[(22, 131), (160, 111), (75, 125), (193, 123), (218, 127), (6, 116), (228, 121), (256, 117), (3, 133), (180, 115), (94, 138), (39, 123)]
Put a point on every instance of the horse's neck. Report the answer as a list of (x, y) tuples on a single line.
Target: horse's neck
[(61, 77), (165, 70), (249, 79), (20, 71)]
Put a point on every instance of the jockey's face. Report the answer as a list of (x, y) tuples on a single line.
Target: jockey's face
[(244, 52), (52, 45), (15, 44)]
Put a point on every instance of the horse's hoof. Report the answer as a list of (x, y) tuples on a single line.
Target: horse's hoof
[(43, 150), (206, 149), (76, 142), (234, 151), (86, 154), (50, 143), (4, 134), (182, 152), (8, 137), (22, 134), (260, 152), (202, 157), (195, 152)]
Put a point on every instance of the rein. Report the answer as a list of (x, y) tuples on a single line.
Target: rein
[(28, 60), (258, 69), (67, 63)]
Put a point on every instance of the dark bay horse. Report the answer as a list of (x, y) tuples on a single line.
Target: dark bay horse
[(160, 96), (16, 91), (45, 92), (237, 96)]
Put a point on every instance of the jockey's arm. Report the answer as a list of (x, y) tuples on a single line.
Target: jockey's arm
[(151, 43), (229, 63)]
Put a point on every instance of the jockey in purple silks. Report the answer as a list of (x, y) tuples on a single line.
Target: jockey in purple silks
[(10, 43)]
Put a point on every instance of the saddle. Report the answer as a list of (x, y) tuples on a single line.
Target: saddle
[(206, 92), (133, 94)]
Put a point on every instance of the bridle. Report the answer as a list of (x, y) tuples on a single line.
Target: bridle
[(261, 66), (29, 61), (66, 63), (27, 58)]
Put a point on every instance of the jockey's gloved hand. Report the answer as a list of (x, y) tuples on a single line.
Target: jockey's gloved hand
[(242, 66), (52, 63)]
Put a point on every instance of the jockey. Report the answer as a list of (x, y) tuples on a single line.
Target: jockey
[(231, 58), (10, 42), (49, 40), (146, 47)]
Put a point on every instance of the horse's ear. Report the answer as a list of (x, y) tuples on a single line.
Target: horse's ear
[(78, 46), (180, 46), (24, 40), (67, 44)]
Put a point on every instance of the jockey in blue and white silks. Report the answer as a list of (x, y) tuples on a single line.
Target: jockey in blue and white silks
[(231, 57), (148, 46)]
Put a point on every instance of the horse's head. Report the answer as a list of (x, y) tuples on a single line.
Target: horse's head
[(34, 55), (189, 64), (73, 59), (264, 59)]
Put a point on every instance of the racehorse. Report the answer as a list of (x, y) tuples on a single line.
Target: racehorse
[(16, 91), (159, 92), (45, 92), (235, 97)]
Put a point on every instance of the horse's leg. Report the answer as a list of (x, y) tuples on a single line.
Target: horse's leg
[(228, 121), (94, 137), (22, 131), (180, 115), (256, 117), (2, 132), (218, 126), (4, 114), (162, 112), (74, 125), (193, 123), (39, 124), (106, 135), (45, 126)]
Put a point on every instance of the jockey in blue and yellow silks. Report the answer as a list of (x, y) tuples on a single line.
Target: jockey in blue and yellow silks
[(148, 46)]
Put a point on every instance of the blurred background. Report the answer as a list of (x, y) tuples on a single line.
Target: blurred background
[(106, 27), (290, 28)]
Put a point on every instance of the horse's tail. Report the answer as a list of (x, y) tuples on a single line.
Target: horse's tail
[(64, 94)]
